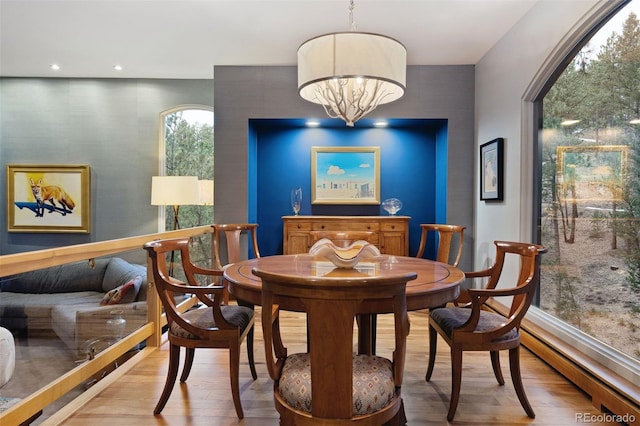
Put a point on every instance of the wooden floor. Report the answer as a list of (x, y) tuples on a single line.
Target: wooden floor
[(205, 399)]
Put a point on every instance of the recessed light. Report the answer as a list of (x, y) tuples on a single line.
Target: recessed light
[(569, 122), (117, 67), (635, 121), (313, 123), (54, 67), (380, 123)]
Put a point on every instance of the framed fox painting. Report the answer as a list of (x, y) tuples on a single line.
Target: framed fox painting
[(48, 198)]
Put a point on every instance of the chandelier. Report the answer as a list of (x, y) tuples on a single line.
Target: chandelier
[(351, 73)]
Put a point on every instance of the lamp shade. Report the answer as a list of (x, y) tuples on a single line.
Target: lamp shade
[(351, 73), (206, 192), (174, 190)]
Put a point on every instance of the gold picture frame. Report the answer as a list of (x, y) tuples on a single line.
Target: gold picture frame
[(48, 198), (345, 175), (591, 174)]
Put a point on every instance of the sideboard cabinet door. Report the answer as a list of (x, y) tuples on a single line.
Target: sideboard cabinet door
[(394, 238)]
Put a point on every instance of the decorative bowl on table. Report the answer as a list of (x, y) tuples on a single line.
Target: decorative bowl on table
[(344, 257)]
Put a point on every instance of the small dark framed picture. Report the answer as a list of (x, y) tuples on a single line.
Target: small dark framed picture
[(491, 170)]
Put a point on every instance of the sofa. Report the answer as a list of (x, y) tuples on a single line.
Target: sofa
[(79, 302), (7, 356)]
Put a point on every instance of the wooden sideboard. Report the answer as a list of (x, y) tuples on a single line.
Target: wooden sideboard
[(390, 233)]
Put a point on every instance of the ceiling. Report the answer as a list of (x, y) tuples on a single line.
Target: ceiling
[(186, 38)]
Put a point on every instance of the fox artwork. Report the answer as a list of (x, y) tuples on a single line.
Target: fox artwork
[(52, 194)]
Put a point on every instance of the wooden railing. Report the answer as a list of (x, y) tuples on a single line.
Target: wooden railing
[(151, 332)]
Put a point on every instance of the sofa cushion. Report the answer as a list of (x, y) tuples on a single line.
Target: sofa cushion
[(71, 277), (7, 356), (36, 308), (120, 272), (126, 293), (76, 324)]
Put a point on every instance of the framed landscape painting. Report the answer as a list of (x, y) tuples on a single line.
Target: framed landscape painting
[(591, 174), (345, 175), (48, 198)]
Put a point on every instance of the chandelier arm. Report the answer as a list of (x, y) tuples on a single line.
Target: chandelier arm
[(365, 104), (340, 100), (329, 97), (362, 96)]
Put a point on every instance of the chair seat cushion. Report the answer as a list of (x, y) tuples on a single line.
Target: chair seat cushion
[(450, 318), (239, 316), (373, 384)]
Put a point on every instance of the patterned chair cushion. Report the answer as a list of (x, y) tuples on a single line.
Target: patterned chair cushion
[(450, 318), (203, 318), (373, 385)]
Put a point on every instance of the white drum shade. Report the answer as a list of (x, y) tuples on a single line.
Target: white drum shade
[(174, 190), (351, 73)]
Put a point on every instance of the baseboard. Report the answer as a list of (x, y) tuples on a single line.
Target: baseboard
[(609, 392)]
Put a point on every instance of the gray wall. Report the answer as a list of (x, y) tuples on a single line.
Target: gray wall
[(110, 124), (508, 78), (242, 93)]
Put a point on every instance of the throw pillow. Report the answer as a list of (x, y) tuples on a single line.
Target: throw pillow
[(126, 293)]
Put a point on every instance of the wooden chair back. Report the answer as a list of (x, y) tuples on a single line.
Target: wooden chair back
[(168, 286), (447, 236), (232, 233), (332, 303), (165, 284), (523, 291)]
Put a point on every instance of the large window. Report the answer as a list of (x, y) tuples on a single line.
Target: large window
[(590, 188), (187, 150)]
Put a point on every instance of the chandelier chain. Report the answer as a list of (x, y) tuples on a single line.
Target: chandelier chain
[(352, 24)]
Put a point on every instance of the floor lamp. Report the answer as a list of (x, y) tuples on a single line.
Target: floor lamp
[(205, 193), (174, 191)]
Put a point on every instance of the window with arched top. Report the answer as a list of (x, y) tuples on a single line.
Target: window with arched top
[(589, 186), (186, 149)]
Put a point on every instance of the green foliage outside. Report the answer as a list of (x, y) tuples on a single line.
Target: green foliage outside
[(603, 93), (189, 152)]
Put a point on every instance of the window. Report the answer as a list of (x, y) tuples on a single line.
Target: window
[(187, 150), (590, 188)]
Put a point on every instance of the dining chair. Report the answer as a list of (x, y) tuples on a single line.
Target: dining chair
[(341, 238), (328, 384), (212, 326), (472, 328), (445, 240), (232, 233)]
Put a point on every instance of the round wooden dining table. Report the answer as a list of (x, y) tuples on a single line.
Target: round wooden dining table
[(436, 283)]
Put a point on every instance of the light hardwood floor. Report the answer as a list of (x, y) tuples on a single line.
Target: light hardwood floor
[(205, 399)]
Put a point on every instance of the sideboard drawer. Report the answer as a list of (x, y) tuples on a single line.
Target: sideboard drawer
[(300, 226), (393, 226), (346, 226)]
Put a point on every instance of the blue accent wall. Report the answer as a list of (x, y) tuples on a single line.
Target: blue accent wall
[(413, 168)]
